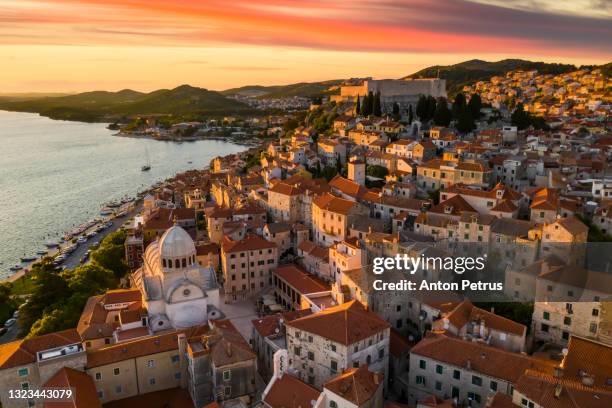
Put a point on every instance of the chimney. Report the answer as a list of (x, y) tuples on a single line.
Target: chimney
[(468, 364), (558, 372)]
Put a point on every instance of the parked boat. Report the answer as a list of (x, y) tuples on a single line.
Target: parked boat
[(106, 211), (15, 268), (42, 252), (52, 245), (28, 258)]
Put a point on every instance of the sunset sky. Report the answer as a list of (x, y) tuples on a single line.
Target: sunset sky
[(69, 46)]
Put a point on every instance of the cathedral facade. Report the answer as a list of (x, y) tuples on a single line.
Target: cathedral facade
[(176, 290)]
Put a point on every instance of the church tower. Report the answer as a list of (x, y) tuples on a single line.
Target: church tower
[(356, 171)]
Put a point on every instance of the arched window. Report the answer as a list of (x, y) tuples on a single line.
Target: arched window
[(177, 263), (164, 262), (184, 262), (169, 263)]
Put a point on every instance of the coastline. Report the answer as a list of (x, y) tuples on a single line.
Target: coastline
[(83, 177), (239, 140)]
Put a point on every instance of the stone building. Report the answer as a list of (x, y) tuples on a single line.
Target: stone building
[(247, 266), (176, 290), (325, 343)]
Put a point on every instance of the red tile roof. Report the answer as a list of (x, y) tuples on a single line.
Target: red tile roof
[(250, 243), (85, 393), (22, 352), (300, 280), (490, 361), (358, 385), (345, 324), (290, 392)]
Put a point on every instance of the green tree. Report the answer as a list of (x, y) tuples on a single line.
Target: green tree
[(377, 171), (475, 105), (410, 115), (465, 121), (459, 105), (49, 289), (431, 107), (520, 118), (396, 111), (368, 104), (111, 254), (358, 105), (7, 303), (443, 115), (329, 172), (376, 107), (421, 108)]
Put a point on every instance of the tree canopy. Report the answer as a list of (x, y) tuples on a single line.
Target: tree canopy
[(59, 297)]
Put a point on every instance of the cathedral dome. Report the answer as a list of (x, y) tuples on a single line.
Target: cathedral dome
[(176, 243)]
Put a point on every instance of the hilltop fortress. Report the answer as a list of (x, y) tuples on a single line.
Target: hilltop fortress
[(403, 91)]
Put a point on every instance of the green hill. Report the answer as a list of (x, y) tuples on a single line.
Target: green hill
[(468, 72), (93, 106), (306, 89)]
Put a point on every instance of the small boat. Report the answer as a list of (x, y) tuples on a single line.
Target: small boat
[(147, 165), (15, 268), (106, 211), (28, 258), (82, 240), (42, 252), (52, 245)]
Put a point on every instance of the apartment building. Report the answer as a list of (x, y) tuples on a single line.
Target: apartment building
[(290, 200), (322, 345), (470, 322), (470, 372), (109, 318), (247, 265), (136, 367), (220, 365), (296, 289), (439, 174), (332, 216), (29, 363), (570, 300)]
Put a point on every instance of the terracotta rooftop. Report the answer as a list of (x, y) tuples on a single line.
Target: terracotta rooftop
[(490, 361), (291, 392), (267, 325), (549, 391), (334, 204), (357, 385), (303, 282), (22, 352), (85, 393), (344, 324), (250, 243), (132, 349), (466, 312), (589, 357)]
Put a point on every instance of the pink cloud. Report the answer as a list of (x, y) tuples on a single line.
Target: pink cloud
[(443, 26)]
